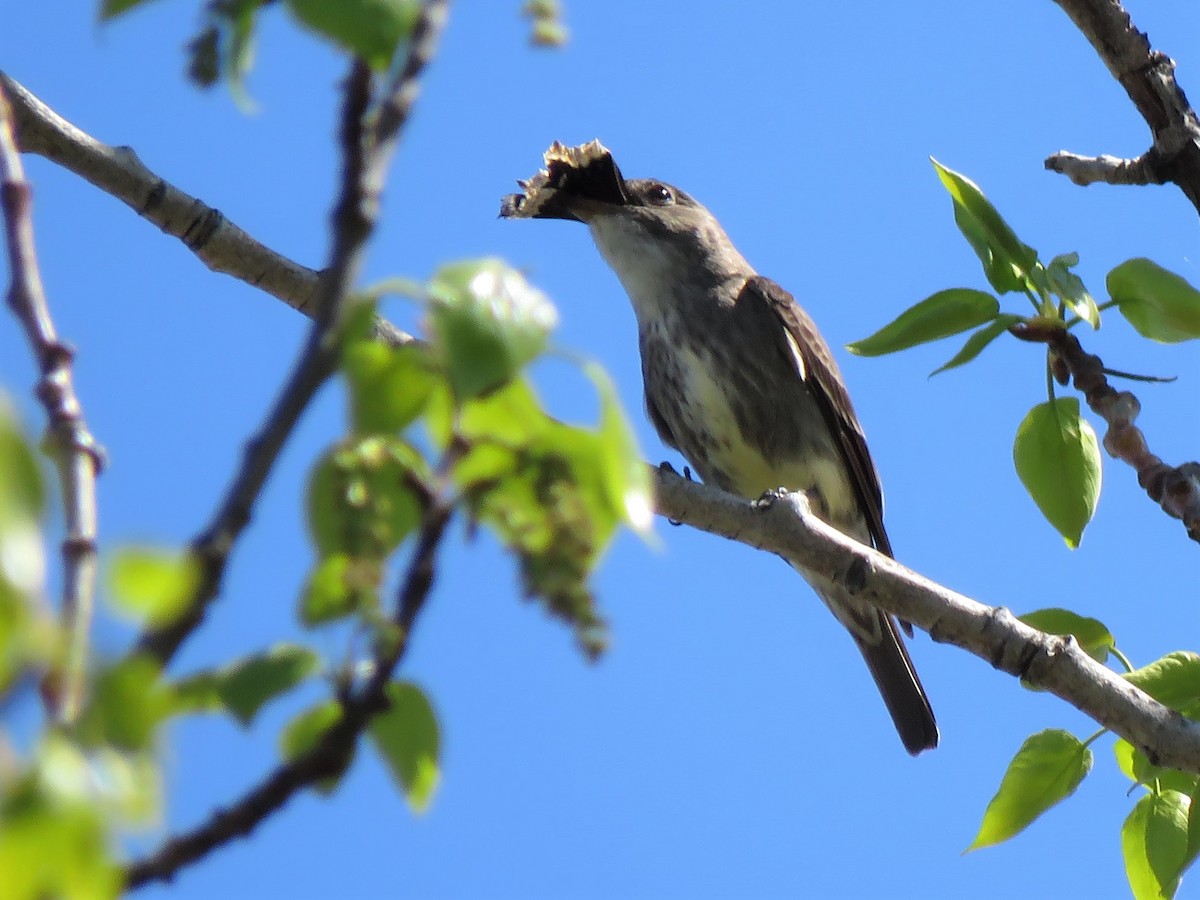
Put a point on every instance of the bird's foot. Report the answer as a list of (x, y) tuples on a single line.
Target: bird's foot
[(665, 466), (767, 500), (687, 473)]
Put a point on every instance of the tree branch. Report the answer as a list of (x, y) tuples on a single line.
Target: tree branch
[(367, 145), (331, 754), (1148, 77), (217, 242), (787, 529), (1175, 488), (1057, 664), (77, 456), (353, 220)]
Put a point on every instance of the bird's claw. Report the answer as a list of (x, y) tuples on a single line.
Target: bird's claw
[(665, 466), (768, 498)]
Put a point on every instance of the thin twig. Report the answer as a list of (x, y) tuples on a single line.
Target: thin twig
[(1175, 488), (1148, 76), (75, 452), (332, 753), (1085, 170)]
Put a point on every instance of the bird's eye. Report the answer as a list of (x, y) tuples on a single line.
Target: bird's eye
[(661, 195)]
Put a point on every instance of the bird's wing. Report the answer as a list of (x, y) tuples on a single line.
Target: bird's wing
[(825, 381)]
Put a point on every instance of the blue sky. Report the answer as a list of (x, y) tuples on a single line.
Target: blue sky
[(731, 743)]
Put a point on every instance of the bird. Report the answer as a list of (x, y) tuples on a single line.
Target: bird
[(738, 379)]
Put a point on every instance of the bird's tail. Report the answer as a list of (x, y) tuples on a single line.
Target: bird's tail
[(893, 671)]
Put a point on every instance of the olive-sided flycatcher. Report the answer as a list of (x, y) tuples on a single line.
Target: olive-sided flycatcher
[(737, 379)]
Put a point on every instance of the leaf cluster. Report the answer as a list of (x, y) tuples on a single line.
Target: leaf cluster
[(1160, 838), (1055, 452)]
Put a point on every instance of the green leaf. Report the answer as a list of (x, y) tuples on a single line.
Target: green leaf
[(1092, 634), (1046, 770), (361, 500), (151, 585), (128, 702), (1154, 842), (1159, 304), (406, 736), (129, 786), (54, 841), (626, 476), (339, 586), (555, 511), (1173, 681), (204, 58), (110, 9), (1006, 261), (979, 340), (940, 315), (487, 323), (1137, 768), (22, 493), (389, 386), (371, 29), (29, 638), (1066, 284), (1058, 460), (247, 685), (303, 733)]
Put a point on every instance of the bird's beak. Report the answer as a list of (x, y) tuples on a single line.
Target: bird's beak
[(577, 183)]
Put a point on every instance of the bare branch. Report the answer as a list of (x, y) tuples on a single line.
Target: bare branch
[(1085, 170), (77, 456), (366, 151), (1054, 663), (1149, 79), (218, 243), (1175, 488), (332, 753), (352, 223), (788, 528)]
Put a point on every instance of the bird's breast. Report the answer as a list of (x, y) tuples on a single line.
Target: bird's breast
[(743, 418)]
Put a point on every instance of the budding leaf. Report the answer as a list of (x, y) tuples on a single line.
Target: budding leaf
[(1046, 770), (1006, 261), (1062, 281), (1057, 458), (1159, 304), (940, 315)]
